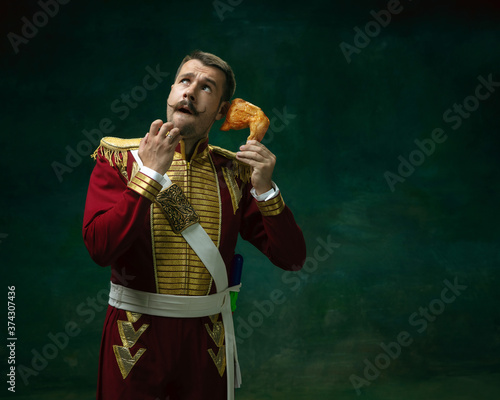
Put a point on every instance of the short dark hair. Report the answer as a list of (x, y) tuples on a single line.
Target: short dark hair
[(211, 60)]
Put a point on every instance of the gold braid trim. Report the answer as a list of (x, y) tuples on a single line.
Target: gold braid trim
[(272, 207), (233, 188), (241, 170), (115, 151), (145, 186)]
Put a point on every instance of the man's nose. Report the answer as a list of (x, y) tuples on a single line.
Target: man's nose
[(189, 94)]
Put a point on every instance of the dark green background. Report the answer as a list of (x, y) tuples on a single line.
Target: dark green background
[(348, 124)]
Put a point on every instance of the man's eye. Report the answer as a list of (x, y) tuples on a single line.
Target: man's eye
[(184, 80), (207, 89)]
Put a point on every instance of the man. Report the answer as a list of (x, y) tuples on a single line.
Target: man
[(165, 212)]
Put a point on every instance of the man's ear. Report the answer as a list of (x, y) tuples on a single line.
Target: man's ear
[(224, 107)]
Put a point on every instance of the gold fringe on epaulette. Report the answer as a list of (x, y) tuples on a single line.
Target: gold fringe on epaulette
[(115, 157), (242, 171), (93, 156)]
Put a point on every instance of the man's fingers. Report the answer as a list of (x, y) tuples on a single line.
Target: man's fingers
[(175, 134), (255, 143), (169, 132), (163, 131), (165, 128), (250, 155), (155, 127), (253, 150), (252, 144), (255, 146)]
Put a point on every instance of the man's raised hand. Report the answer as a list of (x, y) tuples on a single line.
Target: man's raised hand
[(157, 148)]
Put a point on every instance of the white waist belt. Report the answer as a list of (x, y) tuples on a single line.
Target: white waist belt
[(165, 305)]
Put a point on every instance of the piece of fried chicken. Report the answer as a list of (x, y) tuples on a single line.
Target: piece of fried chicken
[(243, 114)]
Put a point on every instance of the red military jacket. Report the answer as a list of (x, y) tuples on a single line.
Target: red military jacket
[(125, 228)]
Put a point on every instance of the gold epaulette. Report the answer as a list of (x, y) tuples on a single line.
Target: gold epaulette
[(115, 150), (241, 170)]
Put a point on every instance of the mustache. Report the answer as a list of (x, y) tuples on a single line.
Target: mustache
[(188, 104)]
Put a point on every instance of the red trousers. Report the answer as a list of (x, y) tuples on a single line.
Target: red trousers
[(146, 357)]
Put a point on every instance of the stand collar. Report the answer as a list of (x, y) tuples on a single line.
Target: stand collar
[(199, 150)]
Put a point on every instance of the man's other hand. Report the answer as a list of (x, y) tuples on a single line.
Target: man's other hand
[(262, 160)]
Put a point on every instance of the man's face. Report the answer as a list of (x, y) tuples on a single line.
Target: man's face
[(194, 102)]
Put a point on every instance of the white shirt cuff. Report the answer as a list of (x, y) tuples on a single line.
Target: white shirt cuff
[(163, 180), (270, 194)]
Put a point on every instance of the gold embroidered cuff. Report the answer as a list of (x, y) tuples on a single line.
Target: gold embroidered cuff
[(177, 208), (145, 186), (272, 207)]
